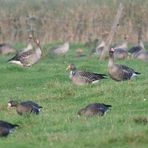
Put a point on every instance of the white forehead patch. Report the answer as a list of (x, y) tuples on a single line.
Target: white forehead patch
[(9, 104)]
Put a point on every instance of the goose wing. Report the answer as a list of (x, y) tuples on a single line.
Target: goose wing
[(90, 76), (127, 72)]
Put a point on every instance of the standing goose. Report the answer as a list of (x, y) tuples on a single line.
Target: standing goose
[(102, 45), (121, 50), (94, 109), (134, 50), (61, 49), (119, 72), (29, 57), (25, 107), (6, 128), (29, 46), (6, 49), (139, 47), (83, 77)]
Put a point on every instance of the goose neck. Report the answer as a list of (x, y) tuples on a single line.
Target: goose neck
[(111, 60)]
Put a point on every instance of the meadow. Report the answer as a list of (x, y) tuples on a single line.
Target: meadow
[(58, 125)]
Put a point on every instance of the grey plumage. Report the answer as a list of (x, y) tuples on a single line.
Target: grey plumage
[(61, 49), (142, 55), (29, 57), (135, 50), (121, 53), (94, 109), (6, 49), (119, 72), (121, 50), (6, 128), (25, 107), (84, 77)]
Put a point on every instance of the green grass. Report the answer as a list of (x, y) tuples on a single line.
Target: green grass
[(58, 125)]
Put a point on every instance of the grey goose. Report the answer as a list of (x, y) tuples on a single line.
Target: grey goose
[(94, 109), (142, 55), (28, 58), (139, 51), (25, 107), (119, 72), (102, 45), (84, 77), (138, 48), (61, 49), (121, 51), (29, 45), (6, 48), (6, 128)]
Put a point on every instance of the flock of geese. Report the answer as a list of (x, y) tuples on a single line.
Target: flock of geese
[(32, 54), (122, 52)]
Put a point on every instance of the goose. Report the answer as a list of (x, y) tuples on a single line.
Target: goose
[(119, 72), (142, 55), (121, 50), (139, 51), (25, 107), (6, 128), (29, 57), (6, 48), (84, 77), (29, 46), (94, 109), (124, 45), (102, 45), (61, 49), (136, 49)]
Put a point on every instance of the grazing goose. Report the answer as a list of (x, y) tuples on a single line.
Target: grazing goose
[(25, 107), (83, 77), (121, 50), (119, 72), (94, 109), (29, 57), (6, 49), (61, 49), (6, 128)]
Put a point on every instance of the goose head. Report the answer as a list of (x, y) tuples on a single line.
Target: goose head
[(12, 103), (71, 67), (111, 52)]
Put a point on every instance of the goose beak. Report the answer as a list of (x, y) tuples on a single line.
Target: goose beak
[(68, 67), (8, 106)]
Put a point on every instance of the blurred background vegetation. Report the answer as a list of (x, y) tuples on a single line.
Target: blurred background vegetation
[(55, 20)]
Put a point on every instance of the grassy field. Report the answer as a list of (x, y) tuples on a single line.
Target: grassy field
[(58, 125)]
